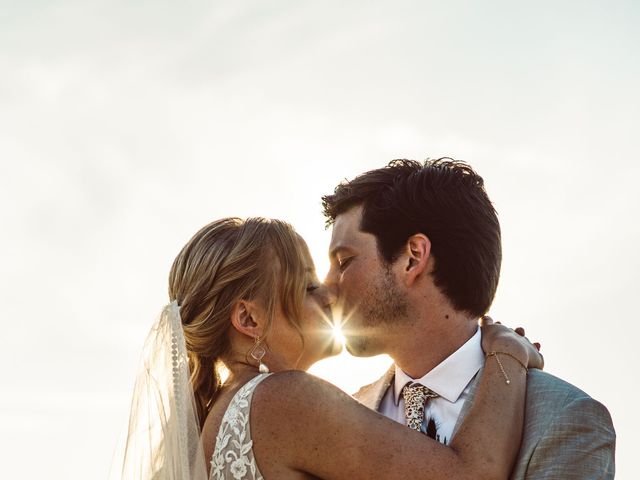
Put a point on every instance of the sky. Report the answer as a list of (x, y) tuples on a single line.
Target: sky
[(125, 126)]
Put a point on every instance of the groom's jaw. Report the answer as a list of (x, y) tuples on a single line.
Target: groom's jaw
[(360, 347)]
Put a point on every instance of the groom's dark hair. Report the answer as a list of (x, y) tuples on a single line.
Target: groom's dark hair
[(443, 199)]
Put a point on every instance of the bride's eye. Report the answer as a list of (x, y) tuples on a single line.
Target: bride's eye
[(311, 288)]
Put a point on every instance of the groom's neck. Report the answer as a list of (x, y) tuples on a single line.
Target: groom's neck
[(428, 341)]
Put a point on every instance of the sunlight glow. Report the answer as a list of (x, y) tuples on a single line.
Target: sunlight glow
[(337, 334)]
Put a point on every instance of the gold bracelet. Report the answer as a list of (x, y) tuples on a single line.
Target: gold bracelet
[(504, 374)]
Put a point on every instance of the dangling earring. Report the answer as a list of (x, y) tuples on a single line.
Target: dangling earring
[(257, 353)]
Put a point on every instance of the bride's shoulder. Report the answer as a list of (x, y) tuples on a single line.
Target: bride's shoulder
[(293, 381), (286, 393)]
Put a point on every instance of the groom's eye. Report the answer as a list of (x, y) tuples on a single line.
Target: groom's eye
[(342, 263)]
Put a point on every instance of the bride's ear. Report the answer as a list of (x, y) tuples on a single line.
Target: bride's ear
[(245, 318)]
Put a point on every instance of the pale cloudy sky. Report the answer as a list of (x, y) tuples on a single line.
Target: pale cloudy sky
[(127, 125)]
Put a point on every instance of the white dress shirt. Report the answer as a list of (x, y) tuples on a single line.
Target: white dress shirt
[(450, 380)]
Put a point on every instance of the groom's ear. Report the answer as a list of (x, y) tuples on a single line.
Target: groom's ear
[(244, 318), (417, 257)]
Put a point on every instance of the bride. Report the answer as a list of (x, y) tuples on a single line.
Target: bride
[(245, 300)]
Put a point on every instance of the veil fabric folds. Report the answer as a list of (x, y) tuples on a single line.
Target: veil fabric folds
[(163, 440)]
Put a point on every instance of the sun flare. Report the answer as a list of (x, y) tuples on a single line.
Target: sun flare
[(337, 334)]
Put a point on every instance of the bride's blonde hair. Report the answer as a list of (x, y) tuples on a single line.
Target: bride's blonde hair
[(227, 261)]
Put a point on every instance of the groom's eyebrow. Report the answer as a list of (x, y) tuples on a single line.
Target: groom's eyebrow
[(335, 250)]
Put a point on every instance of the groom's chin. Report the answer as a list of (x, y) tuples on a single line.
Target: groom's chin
[(359, 347)]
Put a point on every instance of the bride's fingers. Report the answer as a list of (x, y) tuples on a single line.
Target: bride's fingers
[(520, 331), (537, 345), (486, 320), (541, 361)]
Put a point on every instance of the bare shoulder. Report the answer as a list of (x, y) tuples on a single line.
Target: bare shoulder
[(287, 392), (293, 416)]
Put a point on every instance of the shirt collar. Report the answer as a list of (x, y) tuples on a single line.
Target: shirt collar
[(449, 378)]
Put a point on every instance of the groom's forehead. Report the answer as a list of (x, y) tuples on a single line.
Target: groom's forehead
[(346, 225), (349, 220), (347, 235)]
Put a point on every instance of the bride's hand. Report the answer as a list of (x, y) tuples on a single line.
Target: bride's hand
[(498, 338)]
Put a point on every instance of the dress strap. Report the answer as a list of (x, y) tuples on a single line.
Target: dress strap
[(233, 455)]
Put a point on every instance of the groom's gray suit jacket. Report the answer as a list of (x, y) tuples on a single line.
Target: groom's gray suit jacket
[(567, 434)]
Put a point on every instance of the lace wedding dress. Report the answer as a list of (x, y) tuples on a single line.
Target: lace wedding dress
[(233, 456)]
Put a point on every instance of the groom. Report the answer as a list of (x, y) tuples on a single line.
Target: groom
[(415, 261)]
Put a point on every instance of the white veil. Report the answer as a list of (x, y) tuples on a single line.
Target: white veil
[(163, 441)]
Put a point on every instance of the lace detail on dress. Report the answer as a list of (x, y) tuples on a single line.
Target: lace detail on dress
[(233, 455)]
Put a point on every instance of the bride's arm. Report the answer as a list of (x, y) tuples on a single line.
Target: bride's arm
[(302, 423)]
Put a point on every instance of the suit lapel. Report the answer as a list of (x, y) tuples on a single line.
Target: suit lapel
[(371, 395), (468, 402)]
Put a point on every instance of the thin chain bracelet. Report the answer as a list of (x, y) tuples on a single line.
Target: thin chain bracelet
[(504, 374)]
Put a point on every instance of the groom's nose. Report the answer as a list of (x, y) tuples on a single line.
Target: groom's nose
[(331, 296), (328, 297), (332, 285), (331, 279)]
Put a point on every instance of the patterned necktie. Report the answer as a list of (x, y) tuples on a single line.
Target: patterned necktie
[(415, 397)]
